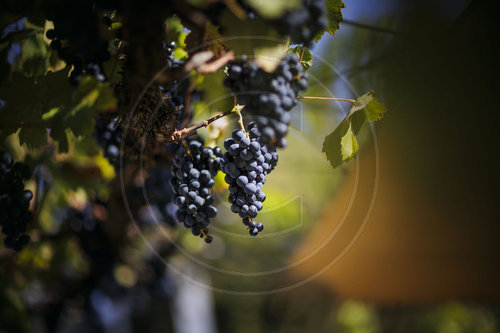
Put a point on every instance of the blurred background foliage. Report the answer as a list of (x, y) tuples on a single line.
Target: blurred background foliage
[(426, 260)]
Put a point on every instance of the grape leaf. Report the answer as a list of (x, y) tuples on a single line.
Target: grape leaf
[(34, 52), (26, 99), (332, 144), (348, 145), (341, 145), (306, 61), (78, 116), (334, 14), (373, 108), (273, 9), (254, 38)]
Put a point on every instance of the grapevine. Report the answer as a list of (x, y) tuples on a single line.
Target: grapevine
[(148, 123)]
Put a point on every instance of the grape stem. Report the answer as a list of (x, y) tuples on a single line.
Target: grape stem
[(327, 99), (302, 53), (240, 121), (185, 132)]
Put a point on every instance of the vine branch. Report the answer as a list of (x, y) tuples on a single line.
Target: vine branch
[(302, 53), (185, 132), (327, 99)]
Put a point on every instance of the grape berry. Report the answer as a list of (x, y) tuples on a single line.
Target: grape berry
[(302, 24), (193, 170), (268, 97), (246, 164), (14, 202), (109, 137)]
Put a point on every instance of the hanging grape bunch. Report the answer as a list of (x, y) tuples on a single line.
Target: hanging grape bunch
[(268, 97), (303, 24), (14, 202), (246, 164), (109, 137), (194, 168)]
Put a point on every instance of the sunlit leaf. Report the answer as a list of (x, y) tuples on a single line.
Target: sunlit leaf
[(341, 145), (348, 145), (274, 8), (253, 38), (335, 17)]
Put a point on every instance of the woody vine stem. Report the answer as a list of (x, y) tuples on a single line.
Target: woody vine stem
[(185, 132)]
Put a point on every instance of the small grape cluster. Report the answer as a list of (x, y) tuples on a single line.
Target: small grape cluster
[(169, 52), (268, 97), (77, 39), (303, 23), (194, 168), (109, 137), (14, 202), (246, 164)]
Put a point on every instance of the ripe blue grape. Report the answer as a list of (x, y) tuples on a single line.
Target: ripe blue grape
[(246, 166), (194, 168), (268, 98), (14, 202)]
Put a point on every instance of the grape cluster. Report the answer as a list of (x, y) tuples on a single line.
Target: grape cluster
[(14, 202), (268, 97), (194, 168), (246, 164), (109, 137), (76, 38), (302, 24)]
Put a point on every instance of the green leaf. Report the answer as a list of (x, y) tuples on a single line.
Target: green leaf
[(370, 104), (27, 99), (77, 116), (334, 14), (306, 61), (348, 145), (114, 68), (333, 143), (253, 38), (273, 9), (341, 145), (80, 119), (33, 137)]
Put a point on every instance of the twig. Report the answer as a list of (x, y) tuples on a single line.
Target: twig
[(185, 132), (194, 63), (217, 64), (327, 99), (302, 53), (240, 120)]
